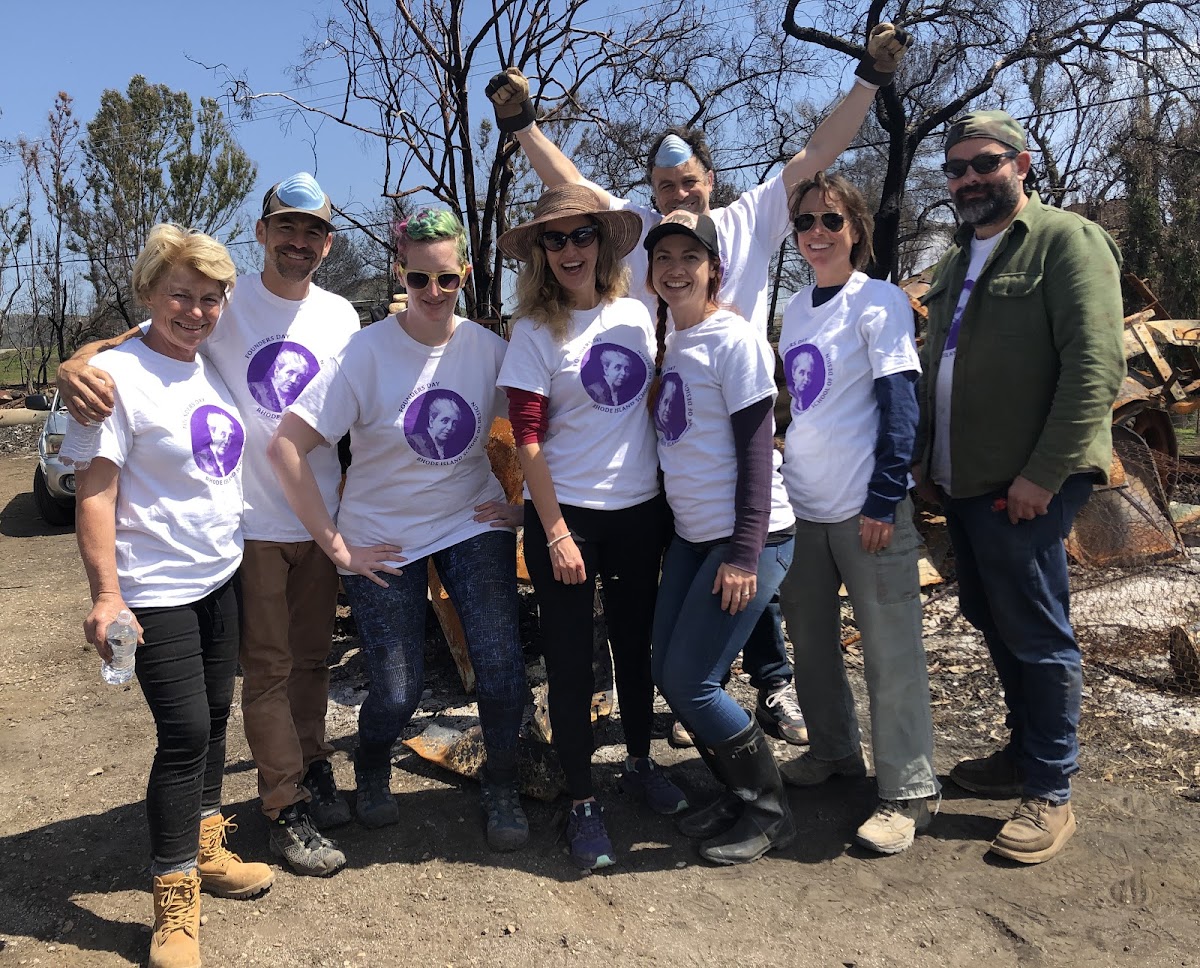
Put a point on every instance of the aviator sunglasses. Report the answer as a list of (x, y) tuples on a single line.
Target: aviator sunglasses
[(833, 221), (447, 281), (983, 164), (582, 237)]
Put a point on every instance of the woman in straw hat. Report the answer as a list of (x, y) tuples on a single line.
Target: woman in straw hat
[(417, 392), (577, 373)]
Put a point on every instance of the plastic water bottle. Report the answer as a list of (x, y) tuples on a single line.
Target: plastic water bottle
[(122, 639)]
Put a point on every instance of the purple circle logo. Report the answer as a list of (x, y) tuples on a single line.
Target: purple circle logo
[(439, 425), (670, 410), (806, 374), (278, 374), (217, 440), (612, 375)]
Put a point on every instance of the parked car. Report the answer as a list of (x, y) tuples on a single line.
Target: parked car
[(53, 481)]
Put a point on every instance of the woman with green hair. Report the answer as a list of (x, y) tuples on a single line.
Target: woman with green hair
[(423, 373)]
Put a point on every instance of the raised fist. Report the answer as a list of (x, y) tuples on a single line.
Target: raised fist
[(509, 94), (885, 48)]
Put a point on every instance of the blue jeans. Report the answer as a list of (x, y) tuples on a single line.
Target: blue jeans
[(764, 657), (480, 576), (695, 641), (1012, 586)]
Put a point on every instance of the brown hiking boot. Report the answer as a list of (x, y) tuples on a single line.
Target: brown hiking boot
[(1037, 831), (223, 872), (175, 942), (996, 775)]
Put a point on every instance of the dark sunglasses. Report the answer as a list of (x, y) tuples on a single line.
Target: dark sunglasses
[(833, 221), (447, 281), (983, 164), (582, 237)]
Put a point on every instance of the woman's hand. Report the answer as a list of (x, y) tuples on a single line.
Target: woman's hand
[(500, 513), (875, 535), (567, 561), (95, 627), (736, 587), (366, 560)]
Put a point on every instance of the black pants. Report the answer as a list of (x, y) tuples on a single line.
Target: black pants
[(624, 548), (186, 669)]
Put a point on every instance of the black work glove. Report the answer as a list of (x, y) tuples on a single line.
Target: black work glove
[(885, 48), (509, 94)]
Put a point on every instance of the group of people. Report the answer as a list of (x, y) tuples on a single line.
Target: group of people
[(641, 389)]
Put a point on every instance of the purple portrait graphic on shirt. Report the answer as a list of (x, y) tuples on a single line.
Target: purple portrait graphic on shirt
[(670, 409), (612, 375), (217, 440), (439, 425), (278, 374), (804, 367)]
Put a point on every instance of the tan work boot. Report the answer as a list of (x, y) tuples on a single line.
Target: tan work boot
[(223, 872), (176, 939), (1037, 831)]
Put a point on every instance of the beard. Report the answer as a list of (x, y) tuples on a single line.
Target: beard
[(994, 202)]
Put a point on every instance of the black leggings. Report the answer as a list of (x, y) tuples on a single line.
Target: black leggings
[(186, 669), (624, 548)]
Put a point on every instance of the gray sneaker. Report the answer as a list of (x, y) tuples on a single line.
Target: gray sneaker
[(807, 771), (299, 844), (327, 808), (779, 715), (507, 825), (375, 806)]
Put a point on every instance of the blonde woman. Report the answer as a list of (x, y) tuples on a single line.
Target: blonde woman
[(577, 372)]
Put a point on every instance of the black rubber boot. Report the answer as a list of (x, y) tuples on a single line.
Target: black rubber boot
[(766, 820), (716, 817)]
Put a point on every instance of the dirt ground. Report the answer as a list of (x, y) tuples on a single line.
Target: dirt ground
[(73, 847)]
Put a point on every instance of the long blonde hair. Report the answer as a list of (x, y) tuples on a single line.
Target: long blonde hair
[(542, 298)]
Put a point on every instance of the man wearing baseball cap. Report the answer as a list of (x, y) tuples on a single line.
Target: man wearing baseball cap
[(681, 175), (271, 341), (1022, 362)]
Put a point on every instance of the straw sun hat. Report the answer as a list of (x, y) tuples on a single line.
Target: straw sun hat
[(621, 229)]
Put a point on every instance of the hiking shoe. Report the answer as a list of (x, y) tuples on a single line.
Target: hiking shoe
[(327, 808), (779, 715), (807, 771), (644, 778), (175, 942), (891, 828), (299, 844), (996, 775), (679, 736), (224, 873), (507, 825), (375, 806), (1037, 831), (587, 839)]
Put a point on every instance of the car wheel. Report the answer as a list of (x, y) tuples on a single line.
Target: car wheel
[(53, 511)]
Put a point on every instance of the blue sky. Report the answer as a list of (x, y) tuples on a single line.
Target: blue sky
[(84, 47)]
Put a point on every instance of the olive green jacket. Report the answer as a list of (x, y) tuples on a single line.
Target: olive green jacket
[(1040, 354)]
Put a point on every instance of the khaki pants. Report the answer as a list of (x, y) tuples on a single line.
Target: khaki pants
[(289, 594)]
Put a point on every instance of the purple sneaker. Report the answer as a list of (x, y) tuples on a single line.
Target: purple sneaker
[(588, 840), (644, 778)]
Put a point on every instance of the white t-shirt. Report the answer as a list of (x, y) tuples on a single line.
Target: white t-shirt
[(710, 372), (419, 418), (749, 232), (267, 349), (176, 434), (832, 355), (940, 462), (600, 442)]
